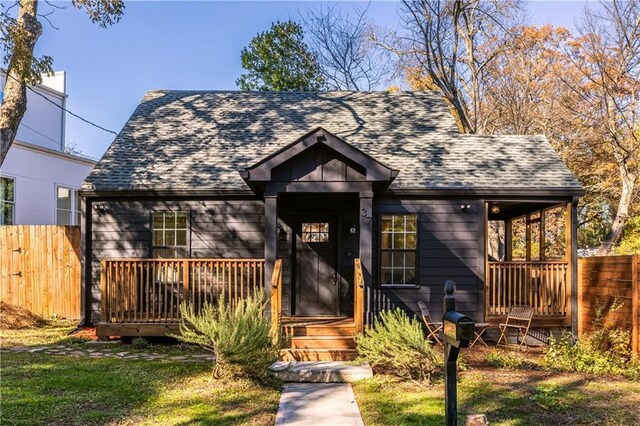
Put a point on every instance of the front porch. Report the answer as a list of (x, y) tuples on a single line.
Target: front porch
[(530, 260)]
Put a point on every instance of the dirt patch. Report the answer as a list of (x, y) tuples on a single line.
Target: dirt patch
[(14, 317), (87, 333)]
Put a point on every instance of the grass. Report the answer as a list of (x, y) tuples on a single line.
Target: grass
[(37, 388), (514, 397)]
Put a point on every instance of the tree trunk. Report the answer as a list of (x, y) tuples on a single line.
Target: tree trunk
[(14, 103), (613, 236)]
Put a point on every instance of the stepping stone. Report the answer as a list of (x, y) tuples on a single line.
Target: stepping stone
[(96, 354), (76, 353), (19, 349), (122, 353), (318, 404), (320, 371), (40, 349), (178, 358)]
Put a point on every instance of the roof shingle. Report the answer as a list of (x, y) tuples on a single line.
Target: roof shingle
[(185, 140)]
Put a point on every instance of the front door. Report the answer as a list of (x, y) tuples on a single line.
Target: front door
[(316, 277)]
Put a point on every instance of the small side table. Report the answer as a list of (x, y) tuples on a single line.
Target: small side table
[(480, 328)]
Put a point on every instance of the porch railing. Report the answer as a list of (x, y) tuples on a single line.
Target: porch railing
[(151, 290), (358, 296), (276, 297), (541, 285)]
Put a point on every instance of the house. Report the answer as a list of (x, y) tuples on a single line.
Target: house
[(39, 179), (339, 204)]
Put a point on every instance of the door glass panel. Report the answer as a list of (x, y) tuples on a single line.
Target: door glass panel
[(315, 232)]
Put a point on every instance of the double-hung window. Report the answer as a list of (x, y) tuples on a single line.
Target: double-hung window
[(67, 206), (398, 249), (7, 200), (169, 240)]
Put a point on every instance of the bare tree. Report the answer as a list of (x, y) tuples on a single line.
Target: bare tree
[(607, 57), (340, 41), (450, 43), (19, 37)]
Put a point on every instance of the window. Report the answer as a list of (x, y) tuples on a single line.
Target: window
[(315, 232), (7, 200), (67, 206), (398, 250), (169, 235)]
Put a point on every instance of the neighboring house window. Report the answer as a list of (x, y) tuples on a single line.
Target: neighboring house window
[(67, 206), (169, 235), (398, 249), (7, 200)]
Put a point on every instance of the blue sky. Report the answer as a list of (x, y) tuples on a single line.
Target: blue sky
[(177, 45)]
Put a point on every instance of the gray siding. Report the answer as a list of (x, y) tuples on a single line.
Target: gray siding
[(218, 229), (450, 247)]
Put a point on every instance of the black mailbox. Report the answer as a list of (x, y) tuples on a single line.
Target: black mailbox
[(458, 329)]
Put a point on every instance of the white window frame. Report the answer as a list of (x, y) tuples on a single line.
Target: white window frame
[(15, 192), (74, 208)]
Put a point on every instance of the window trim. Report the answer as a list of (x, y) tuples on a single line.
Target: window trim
[(74, 209), (416, 250), (187, 245), (15, 192)]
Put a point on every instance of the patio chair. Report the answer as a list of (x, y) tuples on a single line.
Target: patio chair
[(519, 319), (432, 326)]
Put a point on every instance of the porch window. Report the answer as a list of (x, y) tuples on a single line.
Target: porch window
[(7, 200), (398, 249), (169, 235)]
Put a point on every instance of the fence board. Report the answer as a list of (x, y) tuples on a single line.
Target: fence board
[(40, 268), (600, 281)]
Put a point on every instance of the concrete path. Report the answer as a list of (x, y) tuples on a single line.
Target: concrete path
[(320, 371), (318, 404)]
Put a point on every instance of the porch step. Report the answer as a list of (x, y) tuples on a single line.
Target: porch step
[(320, 372), (346, 330), (318, 354), (322, 342)]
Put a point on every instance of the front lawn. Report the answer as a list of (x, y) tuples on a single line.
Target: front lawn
[(38, 388), (507, 397)]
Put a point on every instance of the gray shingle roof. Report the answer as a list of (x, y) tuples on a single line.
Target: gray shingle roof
[(185, 140)]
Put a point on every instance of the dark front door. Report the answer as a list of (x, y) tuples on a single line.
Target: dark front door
[(317, 290)]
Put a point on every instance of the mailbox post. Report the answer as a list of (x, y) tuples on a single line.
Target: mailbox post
[(458, 332)]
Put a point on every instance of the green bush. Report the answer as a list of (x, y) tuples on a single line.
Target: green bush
[(140, 343), (606, 350), (507, 360), (396, 345), (239, 335)]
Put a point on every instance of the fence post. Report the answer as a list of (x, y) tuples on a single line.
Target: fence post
[(103, 291), (580, 296)]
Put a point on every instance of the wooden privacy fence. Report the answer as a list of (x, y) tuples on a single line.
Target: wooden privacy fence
[(40, 268), (601, 280), (540, 285), (151, 290)]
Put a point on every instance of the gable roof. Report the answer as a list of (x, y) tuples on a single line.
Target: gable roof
[(197, 140)]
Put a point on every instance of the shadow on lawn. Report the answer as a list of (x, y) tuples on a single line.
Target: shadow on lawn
[(40, 388)]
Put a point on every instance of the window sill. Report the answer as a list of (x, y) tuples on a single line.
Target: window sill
[(398, 286)]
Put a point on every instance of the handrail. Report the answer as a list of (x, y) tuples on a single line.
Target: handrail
[(358, 296), (276, 298), (151, 290)]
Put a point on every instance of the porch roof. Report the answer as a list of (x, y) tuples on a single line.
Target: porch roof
[(196, 140)]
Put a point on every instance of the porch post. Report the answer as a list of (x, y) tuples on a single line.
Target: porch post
[(270, 238), (366, 249), (571, 253)]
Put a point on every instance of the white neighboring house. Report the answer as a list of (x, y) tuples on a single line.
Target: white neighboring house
[(38, 179)]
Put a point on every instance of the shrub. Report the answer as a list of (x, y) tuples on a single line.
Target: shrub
[(507, 360), (396, 345), (140, 343), (238, 334), (606, 350)]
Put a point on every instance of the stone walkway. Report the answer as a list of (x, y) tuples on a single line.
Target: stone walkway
[(102, 353), (318, 404)]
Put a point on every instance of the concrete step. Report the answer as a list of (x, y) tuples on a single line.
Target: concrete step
[(322, 342), (320, 372), (318, 354)]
